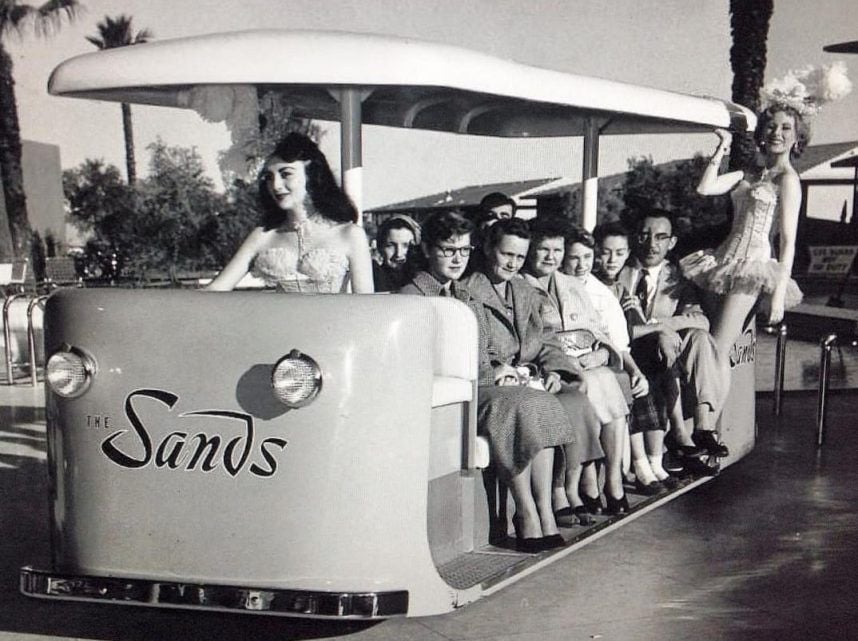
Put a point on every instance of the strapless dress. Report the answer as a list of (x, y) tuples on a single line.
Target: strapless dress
[(319, 270)]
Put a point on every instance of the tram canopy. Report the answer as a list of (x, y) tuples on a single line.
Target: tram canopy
[(402, 83)]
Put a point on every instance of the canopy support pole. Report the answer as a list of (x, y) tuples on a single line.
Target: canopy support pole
[(590, 174), (351, 157)]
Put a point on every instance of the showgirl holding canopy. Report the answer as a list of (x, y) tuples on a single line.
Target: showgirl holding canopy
[(308, 240), (765, 201)]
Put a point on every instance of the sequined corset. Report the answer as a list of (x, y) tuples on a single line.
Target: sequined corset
[(754, 208), (318, 270)]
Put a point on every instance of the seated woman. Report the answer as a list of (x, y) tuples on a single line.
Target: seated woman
[(308, 240), (568, 310), (517, 336), (522, 424), (647, 426)]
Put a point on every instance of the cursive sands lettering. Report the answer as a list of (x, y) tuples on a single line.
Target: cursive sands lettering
[(202, 451), (118, 456), (269, 457)]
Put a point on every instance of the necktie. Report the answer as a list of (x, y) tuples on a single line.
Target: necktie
[(642, 290), (444, 292)]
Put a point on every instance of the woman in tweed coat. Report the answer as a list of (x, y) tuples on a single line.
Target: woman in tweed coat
[(522, 424), (516, 335)]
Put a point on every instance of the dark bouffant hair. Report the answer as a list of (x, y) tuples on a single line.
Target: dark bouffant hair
[(802, 129), (505, 227), (543, 227), (326, 196), (580, 235), (613, 228)]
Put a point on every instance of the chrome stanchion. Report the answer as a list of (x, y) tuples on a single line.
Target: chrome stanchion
[(825, 346), (7, 336), (780, 366), (31, 337)]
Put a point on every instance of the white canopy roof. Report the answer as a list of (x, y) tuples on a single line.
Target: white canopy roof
[(405, 83)]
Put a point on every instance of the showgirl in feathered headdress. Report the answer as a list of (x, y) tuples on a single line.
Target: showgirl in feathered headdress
[(743, 269)]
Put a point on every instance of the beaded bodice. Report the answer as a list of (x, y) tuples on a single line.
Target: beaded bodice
[(319, 270)]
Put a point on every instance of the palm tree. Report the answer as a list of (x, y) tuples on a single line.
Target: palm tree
[(16, 17), (749, 26), (117, 32)]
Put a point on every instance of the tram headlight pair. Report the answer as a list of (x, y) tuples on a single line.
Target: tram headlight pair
[(69, 372), (296, 379)]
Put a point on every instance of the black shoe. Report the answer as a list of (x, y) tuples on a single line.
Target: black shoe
[(530, 545), (707, 441), (592, 503), (572, 516), (616, 506), (696, 466), (672, 463), (648, 489), (671, 482), (552, 541)]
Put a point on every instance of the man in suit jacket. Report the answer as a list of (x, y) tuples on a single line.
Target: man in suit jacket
[(670, 333)]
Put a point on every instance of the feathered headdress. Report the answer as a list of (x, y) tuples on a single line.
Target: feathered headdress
[(807, 89)]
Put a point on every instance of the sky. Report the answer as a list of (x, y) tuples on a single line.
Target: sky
[(679, 45)]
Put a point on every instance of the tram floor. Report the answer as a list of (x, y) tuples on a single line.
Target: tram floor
[(768, 550)]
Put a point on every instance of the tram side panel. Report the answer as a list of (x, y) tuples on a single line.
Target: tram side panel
[(179, 464)]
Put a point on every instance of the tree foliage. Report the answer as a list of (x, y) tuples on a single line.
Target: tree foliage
[(171, 222), (15, 17), (113, 33)]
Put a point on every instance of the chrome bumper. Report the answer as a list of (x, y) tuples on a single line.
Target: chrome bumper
[(298, 603)]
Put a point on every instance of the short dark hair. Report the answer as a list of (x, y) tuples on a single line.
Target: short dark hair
[(505, 227), (398, 221), (613, 228), (496, 199), (655, 212), (802, 129), (580, 235), (441, 225), (543, 227)]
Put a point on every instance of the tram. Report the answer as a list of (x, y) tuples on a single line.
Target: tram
[(181, 478)]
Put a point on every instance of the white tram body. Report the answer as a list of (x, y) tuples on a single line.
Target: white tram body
[(178, 479)]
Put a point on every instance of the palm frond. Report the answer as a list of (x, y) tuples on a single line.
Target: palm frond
[(13, 16), (51, 14)]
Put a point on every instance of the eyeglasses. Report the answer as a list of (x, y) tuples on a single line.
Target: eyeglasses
[(449, 252), (659, 238)]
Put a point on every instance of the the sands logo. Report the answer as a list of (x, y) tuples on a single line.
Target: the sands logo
[(205, 450), (745, 349)]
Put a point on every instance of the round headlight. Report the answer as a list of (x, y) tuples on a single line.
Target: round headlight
[(69, 372), (296, 379)]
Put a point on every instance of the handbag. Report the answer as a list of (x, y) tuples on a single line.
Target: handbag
[(577, 342)]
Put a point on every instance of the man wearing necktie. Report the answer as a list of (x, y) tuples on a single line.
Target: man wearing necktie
[(670, 336)]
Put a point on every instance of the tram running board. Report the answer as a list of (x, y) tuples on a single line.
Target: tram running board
[(496, 566)]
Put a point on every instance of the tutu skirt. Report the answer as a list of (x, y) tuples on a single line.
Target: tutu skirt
[(747, 276)]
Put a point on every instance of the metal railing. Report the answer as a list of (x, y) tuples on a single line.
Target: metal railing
[(825, 345)]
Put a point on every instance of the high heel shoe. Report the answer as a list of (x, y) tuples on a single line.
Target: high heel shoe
[(616, 506), (526, 544), (572, 516), (552, 541), (648, 489), (592, 503)]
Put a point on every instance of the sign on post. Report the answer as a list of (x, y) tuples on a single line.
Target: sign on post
[(831, 260)]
